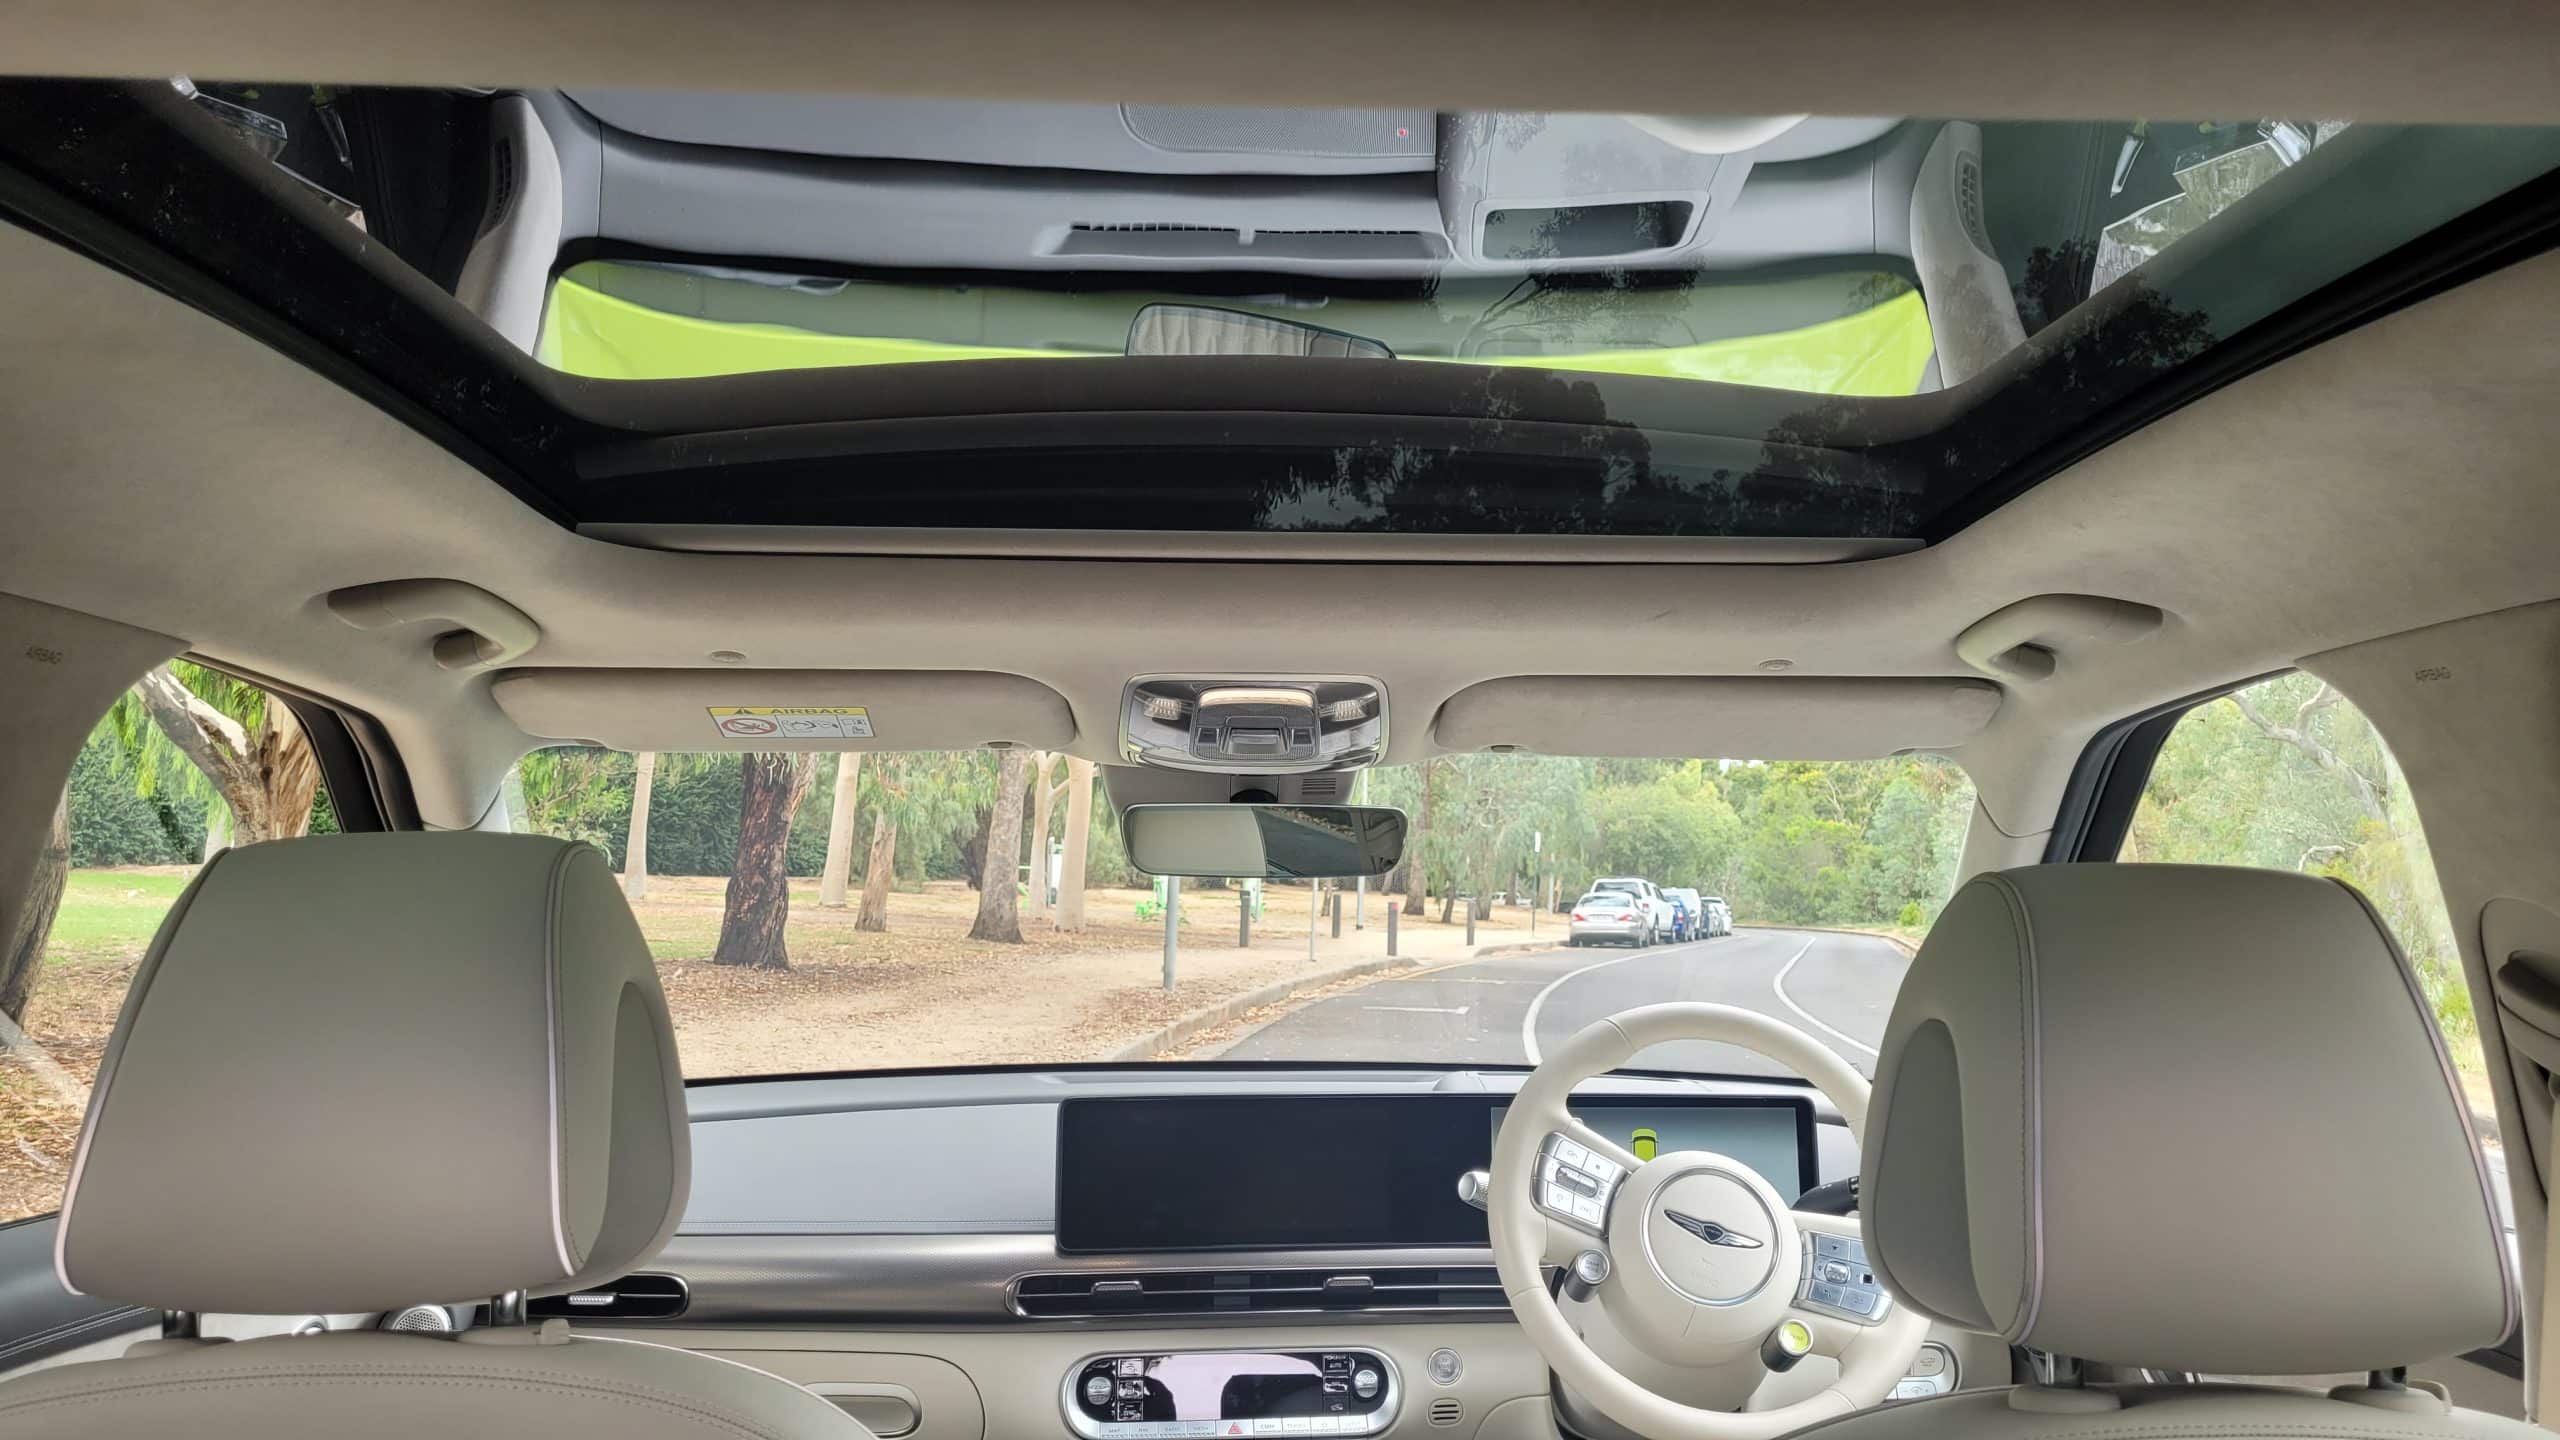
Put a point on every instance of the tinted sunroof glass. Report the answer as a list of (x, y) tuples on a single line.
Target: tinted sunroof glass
[(1604, 325)]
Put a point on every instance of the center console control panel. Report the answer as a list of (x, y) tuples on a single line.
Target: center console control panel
[(1231, 1395)]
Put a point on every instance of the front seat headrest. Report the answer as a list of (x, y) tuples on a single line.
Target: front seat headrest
[(2184, 1118), (357, 1072)]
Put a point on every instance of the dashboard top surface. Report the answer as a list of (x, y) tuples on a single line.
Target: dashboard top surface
[(976, 1152)]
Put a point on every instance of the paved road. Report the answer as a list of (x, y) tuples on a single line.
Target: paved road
[(1512, 1010)]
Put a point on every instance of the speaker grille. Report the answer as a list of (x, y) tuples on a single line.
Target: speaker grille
[(421, 1319), (1446, 1411)]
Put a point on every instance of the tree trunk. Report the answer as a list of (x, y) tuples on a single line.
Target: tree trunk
[(759, 899), (999, 917), (635, 849), (1042, 799), (876, 875), (268, 779), (24, 959), (840, 831), (1414, 866), (1079, 837)]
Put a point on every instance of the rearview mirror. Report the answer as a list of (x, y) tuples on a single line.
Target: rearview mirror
[(1264, 842), (1211, 330)]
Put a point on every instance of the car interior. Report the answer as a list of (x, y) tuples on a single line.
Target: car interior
[(2036, 526)]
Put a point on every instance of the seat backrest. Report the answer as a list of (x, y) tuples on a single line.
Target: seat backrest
[(360, 1072)]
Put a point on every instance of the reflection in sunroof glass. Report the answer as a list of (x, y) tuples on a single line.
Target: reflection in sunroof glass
[(1829, 256), (1564, 324)]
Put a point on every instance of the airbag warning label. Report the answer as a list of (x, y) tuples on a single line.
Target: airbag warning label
[(792, 722)]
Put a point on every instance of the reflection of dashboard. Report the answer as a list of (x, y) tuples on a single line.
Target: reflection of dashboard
[(1225, 1172)]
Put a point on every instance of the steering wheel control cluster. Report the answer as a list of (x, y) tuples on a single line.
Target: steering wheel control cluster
[(1575, 1185), (1233, 1394), (1839, 1281)]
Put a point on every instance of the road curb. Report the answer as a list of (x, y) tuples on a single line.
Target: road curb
[(1896, 941), (1147, 1047)]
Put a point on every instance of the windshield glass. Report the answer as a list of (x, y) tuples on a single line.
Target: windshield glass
[(879, 943)]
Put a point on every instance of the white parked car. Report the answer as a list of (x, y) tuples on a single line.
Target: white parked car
[(1656, 905), (1719, 917)]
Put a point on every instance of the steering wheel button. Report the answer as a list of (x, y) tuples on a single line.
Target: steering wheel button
[(1858, 1301), (1830, 1246), (1559, 1199), (1586, 1209), (1826, 1295), (1572, 1154)]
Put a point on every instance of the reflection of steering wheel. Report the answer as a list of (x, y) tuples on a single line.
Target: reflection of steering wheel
[(1704, 1263)]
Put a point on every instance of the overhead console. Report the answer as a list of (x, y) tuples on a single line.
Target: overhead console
[(1253, 725)]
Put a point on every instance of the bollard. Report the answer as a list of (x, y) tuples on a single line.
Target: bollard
[(1337, 914), (1244, 919), (1172, 928), (1392, 907), (1471, 920)]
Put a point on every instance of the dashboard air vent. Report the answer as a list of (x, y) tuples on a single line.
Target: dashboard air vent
[(1256, 1292), (1446, 1411), (633, 1297)]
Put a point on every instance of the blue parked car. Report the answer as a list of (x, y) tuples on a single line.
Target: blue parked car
[(1685, 918)]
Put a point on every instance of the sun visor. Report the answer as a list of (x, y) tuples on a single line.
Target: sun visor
[(1807, 718), (679, 710)]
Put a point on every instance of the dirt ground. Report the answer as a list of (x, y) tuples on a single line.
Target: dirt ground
[(925, 995), (921, 994)]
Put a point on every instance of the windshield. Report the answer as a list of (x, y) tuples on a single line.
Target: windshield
[(881, 943)]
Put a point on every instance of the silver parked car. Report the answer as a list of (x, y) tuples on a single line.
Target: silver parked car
[(1610, 917), (1719, 917)]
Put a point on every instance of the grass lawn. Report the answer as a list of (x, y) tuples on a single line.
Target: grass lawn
[(111, 914)]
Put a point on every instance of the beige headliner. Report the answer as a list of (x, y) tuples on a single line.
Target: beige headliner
[(2358, 59), (171, 474)]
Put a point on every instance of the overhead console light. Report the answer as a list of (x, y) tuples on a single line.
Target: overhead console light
[(1253, 724)]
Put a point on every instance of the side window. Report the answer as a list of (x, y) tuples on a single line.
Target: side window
[(2287, 774), (189, 761)]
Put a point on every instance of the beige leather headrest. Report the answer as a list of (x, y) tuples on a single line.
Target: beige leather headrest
[(2180, 1117), (361, 1071)]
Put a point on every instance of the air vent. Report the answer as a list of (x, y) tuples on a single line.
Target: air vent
[(1170, 240), (633, 1297), (1446, 1411), (1321, 789), (1256, 1292)]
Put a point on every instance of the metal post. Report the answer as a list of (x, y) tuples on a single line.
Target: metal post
[(1172, 926), (1393, 906), (1337, 914), (1244, 917), (1471, 920), (1360, 896), (1315, 905)]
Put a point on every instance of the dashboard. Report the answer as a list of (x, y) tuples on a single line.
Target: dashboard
[(1160, 1252)]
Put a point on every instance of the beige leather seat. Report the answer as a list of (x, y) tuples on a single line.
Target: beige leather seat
[(2185, 1119), (360, 1072)]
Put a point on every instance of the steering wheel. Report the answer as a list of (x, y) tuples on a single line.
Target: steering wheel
[(1700, 1265)]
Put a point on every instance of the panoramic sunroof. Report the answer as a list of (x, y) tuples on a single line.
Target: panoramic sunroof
[(1133, 317)]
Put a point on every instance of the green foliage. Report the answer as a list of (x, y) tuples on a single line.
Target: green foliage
[(2288, 776), (114, 823)]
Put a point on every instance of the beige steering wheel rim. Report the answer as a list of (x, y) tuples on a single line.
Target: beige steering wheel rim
[(1871, 1357)]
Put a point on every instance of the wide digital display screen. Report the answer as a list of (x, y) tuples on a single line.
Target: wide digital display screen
[(1231, 1172)]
